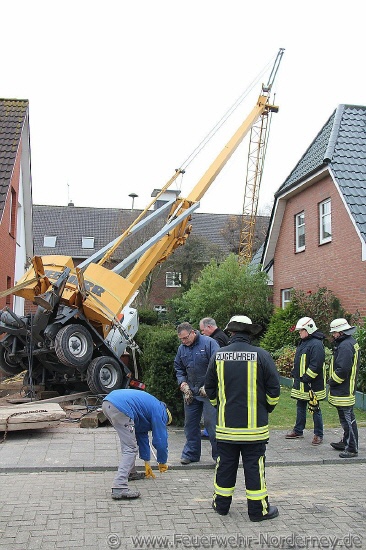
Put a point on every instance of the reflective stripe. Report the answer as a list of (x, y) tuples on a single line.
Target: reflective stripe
[(221, 392), (213, 402), (252, 394), (262, 492), (337, 378), (272, 400), (224, 491), (342, 401), (311, 373), (242, 434)]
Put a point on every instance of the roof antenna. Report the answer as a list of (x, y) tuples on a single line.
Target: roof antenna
[(69, 203)]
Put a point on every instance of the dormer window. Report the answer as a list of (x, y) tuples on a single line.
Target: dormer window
[(49, 241), (87, 242)]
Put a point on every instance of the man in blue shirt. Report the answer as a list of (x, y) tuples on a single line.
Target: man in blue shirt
[(190, 365), (133, 413)]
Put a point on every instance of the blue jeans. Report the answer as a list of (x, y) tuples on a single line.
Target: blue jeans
[(301, 419), (192, 428), (350, 432)]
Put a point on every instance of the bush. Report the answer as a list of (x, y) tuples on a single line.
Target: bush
[(224, 290), (159, 346), (280, 331), (361, 340), (148, 316), (284, 359)]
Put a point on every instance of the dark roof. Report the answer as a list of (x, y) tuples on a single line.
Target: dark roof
[(12, 116), (70, 223), (341, 146)]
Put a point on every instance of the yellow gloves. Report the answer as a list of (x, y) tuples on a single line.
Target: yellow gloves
[(162, 468), (148, 470)]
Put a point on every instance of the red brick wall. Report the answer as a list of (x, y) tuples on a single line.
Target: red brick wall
[(336, 265), (7, 241)]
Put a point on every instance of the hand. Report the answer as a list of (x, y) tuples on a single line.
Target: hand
[(148, 470), (202, 391), (187, 393), (162, 468)]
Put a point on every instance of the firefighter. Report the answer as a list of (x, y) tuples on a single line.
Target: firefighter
[(242, 381), (308, 373), (342, 384)]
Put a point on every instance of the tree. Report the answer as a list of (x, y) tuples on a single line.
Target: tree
[(223, 290)]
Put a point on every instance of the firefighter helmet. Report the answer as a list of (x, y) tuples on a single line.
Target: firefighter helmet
[(341, 325), (306, 323)]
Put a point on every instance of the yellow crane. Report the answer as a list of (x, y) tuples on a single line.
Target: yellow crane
[(84, 319)]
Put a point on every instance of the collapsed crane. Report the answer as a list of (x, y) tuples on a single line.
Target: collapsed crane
[(84, 320)]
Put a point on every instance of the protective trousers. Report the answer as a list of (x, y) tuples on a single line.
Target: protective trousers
[(350, 431), (125, 429), (192, 428), (253, 457)]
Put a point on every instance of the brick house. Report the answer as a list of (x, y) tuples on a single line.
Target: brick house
[(81, 231), (317, 231), (16, 236)]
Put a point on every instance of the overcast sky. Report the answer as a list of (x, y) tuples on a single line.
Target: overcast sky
[(121, 92)]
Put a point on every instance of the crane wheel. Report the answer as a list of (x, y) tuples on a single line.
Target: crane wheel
[(104, 374), (74, 346), (9, 367)]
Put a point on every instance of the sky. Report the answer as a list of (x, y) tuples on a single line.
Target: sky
[(122, 92)]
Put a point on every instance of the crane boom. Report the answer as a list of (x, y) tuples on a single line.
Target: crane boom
[(107, 292)]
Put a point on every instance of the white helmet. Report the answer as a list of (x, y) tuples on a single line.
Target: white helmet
[(341, 325), (307, 323)]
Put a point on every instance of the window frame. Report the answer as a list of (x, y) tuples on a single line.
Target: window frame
[(170, 279), (285, 302), (49, 237), (84, 241), (298, 247), (322, 216)]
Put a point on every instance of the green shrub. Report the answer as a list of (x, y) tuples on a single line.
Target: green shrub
[(284, 359), (148, 316), (159, 346), (280, 331), (361, 339)]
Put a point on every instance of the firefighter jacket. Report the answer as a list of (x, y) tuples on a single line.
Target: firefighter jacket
[(343, 371), (243, 382), (309, 367), (191, 362)]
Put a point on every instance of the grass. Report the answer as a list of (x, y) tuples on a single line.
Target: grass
[(283, 417)]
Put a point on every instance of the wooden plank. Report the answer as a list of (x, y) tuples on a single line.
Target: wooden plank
[(30, 414), (31, 425), (63, 398)]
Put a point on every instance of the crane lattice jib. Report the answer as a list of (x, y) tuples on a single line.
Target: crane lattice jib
[(257, 147)]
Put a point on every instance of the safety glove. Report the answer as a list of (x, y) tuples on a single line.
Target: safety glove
[(148, 470), (187, 393), (313, 405), (202, 391), (162, 468)]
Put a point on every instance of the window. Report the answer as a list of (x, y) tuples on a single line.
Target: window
[(13, 212), (87, 242), (160, 309), (300, 231), (286, 294), (173, 279), (8, 286), (325, 221), (49, 241)]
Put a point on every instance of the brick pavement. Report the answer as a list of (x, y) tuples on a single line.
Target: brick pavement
[(74, 510)]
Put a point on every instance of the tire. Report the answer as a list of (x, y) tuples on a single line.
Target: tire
[(104, 374), (74, 346), (9, 367)]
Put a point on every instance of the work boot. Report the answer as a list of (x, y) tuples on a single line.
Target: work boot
[(348, 454), (293, 435), (272, 513), (338, 446), (220, 512), (134, 476), (118, 494), (317, 440)]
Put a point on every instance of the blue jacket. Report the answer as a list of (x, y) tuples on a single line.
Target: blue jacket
[(148, 414), (191, 362)]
